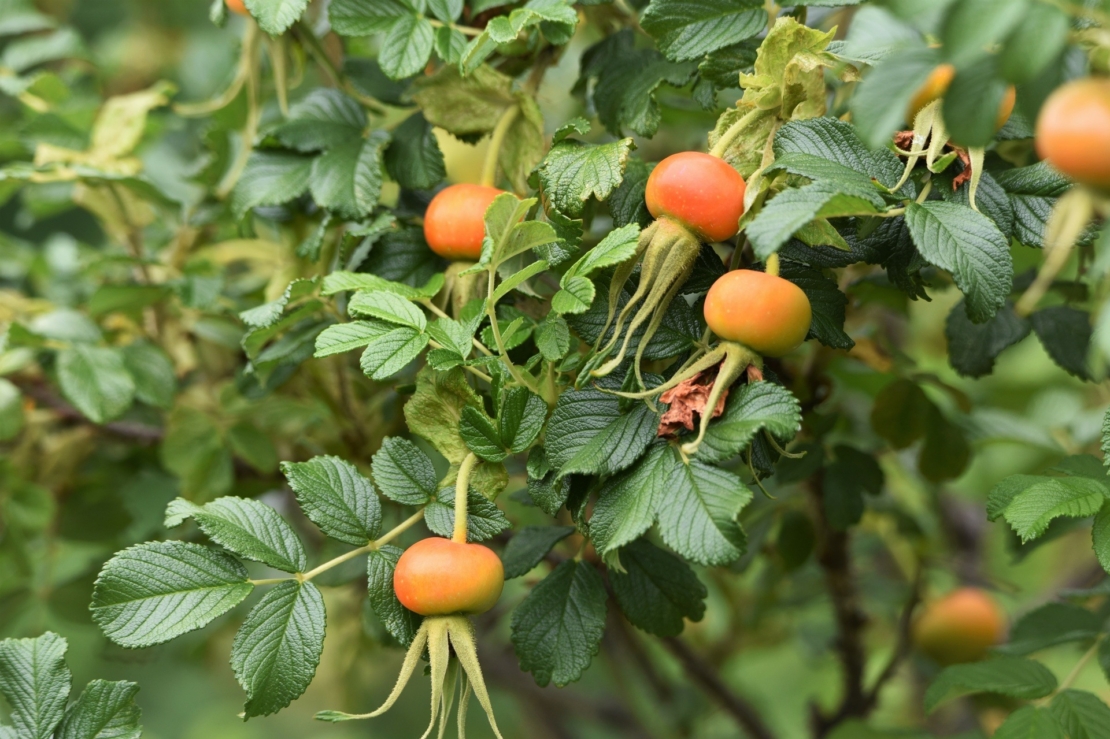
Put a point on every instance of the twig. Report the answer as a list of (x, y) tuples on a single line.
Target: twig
[(905, 640), (705, 676)]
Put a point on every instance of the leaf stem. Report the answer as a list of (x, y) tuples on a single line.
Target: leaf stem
[(312, 44), (491, 311), (378, 543), (472, 370), (496, 141), (435, 309), (1075, 671), (269, 581), (462, 490), (464, 30), (734, 131), (254, 112)]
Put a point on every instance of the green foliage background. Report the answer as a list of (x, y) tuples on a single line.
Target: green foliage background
[(73, 492)]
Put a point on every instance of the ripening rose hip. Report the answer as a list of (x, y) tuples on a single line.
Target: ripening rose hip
[(765, 313), (441, 577), (1073, 131), (454, 222), (937, 84), (700, 191), (959, 627), (236, 6)]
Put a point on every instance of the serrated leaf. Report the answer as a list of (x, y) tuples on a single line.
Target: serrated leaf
[(35, 681), (529, 546), (151, 593), (1009, 676), (557, 629), (484, 519), (573, 172), (969, 246), (321, 120), (689, 29), (791, 210), (480, 435), (552, 337), (1065, 333), (627, 502), (388, 307), (1100, 537), (1031, 510), (699, 516), (276, 16), (152, 372), (406, 46), (277, 648), (403, 472), (95, 379), (973, 347), (657, 591), (104, 710), (827, 303), (588, 434), (751, 408), (360, 281), (464, 106), (1083, 715), (347, 179), (576, 296), (365, 17), (435, 409), (1030, 722), (343, 337), (413, 157), (336, 497), (399, 621), (1049, 625), (247, 527), (271, 178), (392, 352), (520, 418)]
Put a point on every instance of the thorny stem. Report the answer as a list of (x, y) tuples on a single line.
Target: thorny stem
[(734, 131), (496, 141), (378, 543), (462, 490)]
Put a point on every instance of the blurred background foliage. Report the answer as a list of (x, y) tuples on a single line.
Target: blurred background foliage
[(72, 492)]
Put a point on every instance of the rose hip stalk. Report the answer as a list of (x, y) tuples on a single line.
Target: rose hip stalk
[(693, 197), (445, 580)]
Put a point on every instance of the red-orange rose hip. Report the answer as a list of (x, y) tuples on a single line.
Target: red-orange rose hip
[(960, 627), (763, 312), (1073, 131), (454, 222), (440, 577), (236, 6), (699, 191)]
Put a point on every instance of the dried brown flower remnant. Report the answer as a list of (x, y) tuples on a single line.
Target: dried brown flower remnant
[(687, 400)]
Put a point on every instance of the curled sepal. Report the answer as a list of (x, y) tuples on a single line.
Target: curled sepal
[(440, 634)]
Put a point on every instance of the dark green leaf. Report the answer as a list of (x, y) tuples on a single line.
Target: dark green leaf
[(1049, 625), (404, 473), (413, 157), (484, 519), (1083, 715), (657, 591), (588, 434), (627, 502), (35, 681), (1009, 676), (973, 347), (529, 546), (1065, 333), (399, 621), (1030, 722), (322, 119), (699, 515), (104, 710), (336, 497), (392, 352), (751, 408), (271, 178), (574, 171), (689, 29), (247, 527)]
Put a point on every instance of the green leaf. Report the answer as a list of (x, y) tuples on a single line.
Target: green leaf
[(627, 502), (365, 17), (557, 629), (626, 203), (827, 303), (406, 47), (413, 157), (1049, 625), (276, 16), (751, 408), (403, 472), (1083, 715), (699, 515), (153, 592), (347, 179), (618, 246), (1037, 41), (587, 433), (194, 450), (575, 296), (552, 337), (1100, 537), (480, 435), (842, 495), (270, 178), (392, 352), (464, 106), (247, 527), (435, 409), (880, 102), (969, 246), (484, 519), (1030, 722), (388, 307), (792, 209), (399, 621), (95, 379), (446, 10), (11, 409), (252, 446), (520, 419), (973, 347), (336, 497), (1065, 333), (972, 102), (900, 412), (573, 172), (524, 144), (323, 119), (277, 648), (104, 710), (1033, 191), (1031, 510), (1009, 676), (657, 591), (971, 27), (35, 680), (153, 373), (343, 337), (689, 29), (529, 546)]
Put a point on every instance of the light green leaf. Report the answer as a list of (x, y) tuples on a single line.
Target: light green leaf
[(152, 372), (1031, 509), (576, 296), (699, 515), (35, 680), (1100, 536), (276, 16), (392, 352), (616, 248), (557, 629), (153, 592), (11, 410), (95, 379), (751, 408), (277, 648), (338, 282), (270, 178), (463, 106), (365, 17), (689, 29), (1009, 676), (336, 497), (247, 527), (552, 337), (971, 27), (343, 337), (574, 171), (388, 307)]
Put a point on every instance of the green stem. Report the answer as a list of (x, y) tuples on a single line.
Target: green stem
[(462, 490), (491, 312), (773, 265), (435, 309), (464, 30), (496, 141), (254, 112), (734, 131), (312, 44), (1075, 671)]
